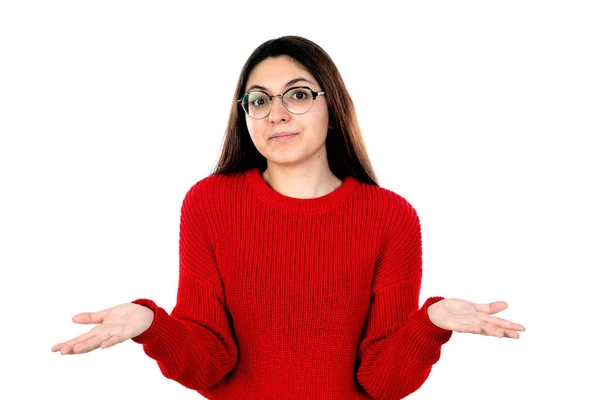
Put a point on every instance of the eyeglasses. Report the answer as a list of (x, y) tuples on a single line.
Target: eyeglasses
[(297, 100)]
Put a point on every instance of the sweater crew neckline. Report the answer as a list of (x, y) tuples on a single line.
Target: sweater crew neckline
[(298, 205)]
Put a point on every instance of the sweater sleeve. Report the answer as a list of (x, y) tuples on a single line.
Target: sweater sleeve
[(194, 345), (399, 344)]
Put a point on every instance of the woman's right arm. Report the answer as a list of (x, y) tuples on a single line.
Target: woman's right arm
[(194, 345)]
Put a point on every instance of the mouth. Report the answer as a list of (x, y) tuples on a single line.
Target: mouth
[(283, 135)]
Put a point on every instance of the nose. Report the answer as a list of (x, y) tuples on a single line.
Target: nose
[(278, 111)]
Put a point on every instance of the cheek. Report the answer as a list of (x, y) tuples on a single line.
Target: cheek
[(319, 124), (320, 119), (256, 129), (251, 125)]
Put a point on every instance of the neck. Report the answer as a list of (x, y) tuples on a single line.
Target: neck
[(304, 182)]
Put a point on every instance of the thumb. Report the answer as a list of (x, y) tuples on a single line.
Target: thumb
[(90, 318), (492, 308)]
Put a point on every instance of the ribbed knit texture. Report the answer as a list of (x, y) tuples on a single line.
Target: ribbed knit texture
[(287, 298)]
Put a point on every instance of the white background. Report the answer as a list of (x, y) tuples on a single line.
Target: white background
[(484, 115)]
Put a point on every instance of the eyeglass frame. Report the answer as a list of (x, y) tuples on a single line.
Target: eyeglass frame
[(314, 94)]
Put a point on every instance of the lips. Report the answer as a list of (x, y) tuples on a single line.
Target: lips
[(283, 134)]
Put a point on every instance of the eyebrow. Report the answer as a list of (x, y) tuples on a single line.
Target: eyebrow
[(295, 80)]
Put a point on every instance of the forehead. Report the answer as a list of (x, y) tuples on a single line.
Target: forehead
[(277, 73)]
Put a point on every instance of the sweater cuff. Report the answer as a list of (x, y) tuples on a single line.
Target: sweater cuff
[(163, 336), (421, 341), (431, 332)]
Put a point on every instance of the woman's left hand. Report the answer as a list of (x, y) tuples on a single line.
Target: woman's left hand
[(463, 316)]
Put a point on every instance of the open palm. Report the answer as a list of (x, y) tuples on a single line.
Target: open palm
[(116, 324), (464, 316)]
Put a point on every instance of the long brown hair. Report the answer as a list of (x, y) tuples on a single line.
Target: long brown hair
[(346, 150)]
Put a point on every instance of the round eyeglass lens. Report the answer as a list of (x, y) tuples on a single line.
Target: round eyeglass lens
[(296, 100)]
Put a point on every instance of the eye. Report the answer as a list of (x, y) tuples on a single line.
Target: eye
[(299, 94), (257, 99)]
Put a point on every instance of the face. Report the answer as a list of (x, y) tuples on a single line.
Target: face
[(274, 74)]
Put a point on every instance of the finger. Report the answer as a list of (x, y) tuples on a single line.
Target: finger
[(65, 346), (58, 346), (90, 318), (500, 333), (511, 334), (502, 323), (91, 344), (116, 339), (491, 308), (491, 330), (481, 328)]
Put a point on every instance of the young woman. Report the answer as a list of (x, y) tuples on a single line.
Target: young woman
[(299, 275)]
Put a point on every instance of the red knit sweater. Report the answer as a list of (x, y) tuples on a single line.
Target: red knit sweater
[(287, 298)]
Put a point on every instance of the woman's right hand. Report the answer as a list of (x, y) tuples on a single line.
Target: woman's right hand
[(116, 325)]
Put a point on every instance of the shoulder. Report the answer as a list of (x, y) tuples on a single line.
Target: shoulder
[(388, 202), (214, 184), (212, 193)]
